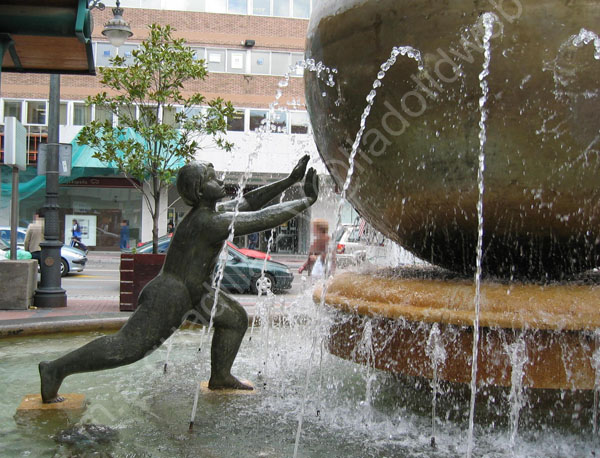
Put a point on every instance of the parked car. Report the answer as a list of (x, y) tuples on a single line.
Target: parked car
[(247, 251), (349, 246), (71, 259), (242, 272)]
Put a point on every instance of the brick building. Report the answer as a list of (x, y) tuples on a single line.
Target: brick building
[(251, 48)]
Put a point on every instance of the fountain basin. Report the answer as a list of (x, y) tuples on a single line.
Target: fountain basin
[(416, 169), (555, 325)]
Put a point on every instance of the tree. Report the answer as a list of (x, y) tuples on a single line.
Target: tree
[(159, 127)]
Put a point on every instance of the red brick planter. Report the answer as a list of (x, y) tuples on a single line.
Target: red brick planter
[(136, 271)]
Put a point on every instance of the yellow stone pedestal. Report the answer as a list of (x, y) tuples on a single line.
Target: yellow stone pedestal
[(73, 402), (205, 390)]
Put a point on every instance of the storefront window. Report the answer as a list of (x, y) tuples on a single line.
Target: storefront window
[(279, 122), (299, 122), (236, 122), (257, 119)]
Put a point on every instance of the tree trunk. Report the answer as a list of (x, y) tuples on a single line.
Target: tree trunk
[(156, 194)]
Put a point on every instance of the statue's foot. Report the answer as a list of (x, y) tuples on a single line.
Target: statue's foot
[(50, 383), (228, 383)]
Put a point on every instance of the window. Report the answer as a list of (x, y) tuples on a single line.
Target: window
[(261, 7), (104, 52), (82, 114), (236, 122), (103, 114), (258, 119), (299, 122), (280, 63), (148, 114), (281, 7), (63, 113), (215, 60), (260, 62), (297, 62), (236, 61), (127, 114), (279, 122), (216, 6), (36, 112), (169, 116), (302, 9), (237, 6), (199, 53), (125, 51), (13, 108)]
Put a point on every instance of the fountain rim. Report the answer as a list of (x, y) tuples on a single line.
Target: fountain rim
[(408, 299)]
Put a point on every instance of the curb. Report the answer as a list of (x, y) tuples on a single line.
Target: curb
[(55, 325)]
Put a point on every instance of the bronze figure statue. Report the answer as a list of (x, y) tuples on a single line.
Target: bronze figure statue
[(184, 286)]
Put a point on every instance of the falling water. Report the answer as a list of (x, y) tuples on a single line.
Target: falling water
[(218, 279), (517, 354), (585, 37), (396, 51), (596, 366), (488, 23), (437, 354)]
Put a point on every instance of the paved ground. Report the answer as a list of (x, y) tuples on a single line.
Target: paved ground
[(89, 313)]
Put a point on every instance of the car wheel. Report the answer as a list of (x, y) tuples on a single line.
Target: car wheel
[(264, 284), (64, 267)]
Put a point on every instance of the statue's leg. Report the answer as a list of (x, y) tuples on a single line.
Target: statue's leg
[(230, 324), (162, 305)]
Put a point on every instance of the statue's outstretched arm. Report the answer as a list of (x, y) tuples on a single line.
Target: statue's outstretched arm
[(273, 216), (259, 197)]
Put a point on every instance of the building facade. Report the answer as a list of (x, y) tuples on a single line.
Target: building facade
[(254, 52)]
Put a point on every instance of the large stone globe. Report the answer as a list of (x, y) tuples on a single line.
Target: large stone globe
[(416, 171)]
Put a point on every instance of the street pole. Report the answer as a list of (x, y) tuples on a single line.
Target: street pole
[(49, 292)]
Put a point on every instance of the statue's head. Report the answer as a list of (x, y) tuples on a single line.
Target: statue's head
[(190, 180)]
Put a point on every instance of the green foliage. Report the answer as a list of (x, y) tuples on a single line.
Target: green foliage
[(154, 82)]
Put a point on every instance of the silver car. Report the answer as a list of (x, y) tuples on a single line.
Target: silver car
[(71, 259)]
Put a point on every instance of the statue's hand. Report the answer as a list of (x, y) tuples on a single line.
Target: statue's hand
[(311, 184), (300, 169)]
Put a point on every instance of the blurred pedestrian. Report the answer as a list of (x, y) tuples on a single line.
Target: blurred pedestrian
[(35, 236), (124, 234)]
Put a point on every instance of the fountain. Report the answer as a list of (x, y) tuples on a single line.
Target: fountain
[(415, 178), (480, 159)]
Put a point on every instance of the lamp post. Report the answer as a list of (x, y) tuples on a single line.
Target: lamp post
[(50, 293)]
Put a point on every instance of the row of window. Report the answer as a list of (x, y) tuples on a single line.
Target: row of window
[(220, 59), (34, 112), (281, 8)]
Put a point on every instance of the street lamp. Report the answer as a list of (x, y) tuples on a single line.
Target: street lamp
[(117, 30)]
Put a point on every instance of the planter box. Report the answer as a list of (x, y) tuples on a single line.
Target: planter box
[(136, 270), (18, 281)]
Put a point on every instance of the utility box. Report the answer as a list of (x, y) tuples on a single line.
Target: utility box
[(18, 282)]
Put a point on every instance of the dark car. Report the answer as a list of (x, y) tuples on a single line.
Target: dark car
[(242, 273)]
